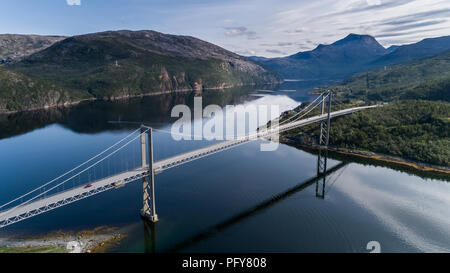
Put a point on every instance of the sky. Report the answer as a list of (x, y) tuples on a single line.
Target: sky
[(269, 28)]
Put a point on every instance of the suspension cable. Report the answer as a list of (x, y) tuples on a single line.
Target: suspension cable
[(310, 109), (64, 174), (304, 109), (79, 173), (335, 179)]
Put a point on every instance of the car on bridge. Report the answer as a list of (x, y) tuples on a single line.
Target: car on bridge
[(119, 184), (88, 186)]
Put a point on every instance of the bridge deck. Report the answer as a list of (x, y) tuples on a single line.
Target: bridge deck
[(66, 197), (193, 155), (31, 209)]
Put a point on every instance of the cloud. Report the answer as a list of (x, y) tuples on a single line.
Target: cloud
[(246, 52), (73, 2), (327, 21), (275, 51), (396, 34), (399, 22), (240, 31), (278, 44), (299, 30), (431, 14), (271, 27), (373, 2), (377, 5), (417, 25)]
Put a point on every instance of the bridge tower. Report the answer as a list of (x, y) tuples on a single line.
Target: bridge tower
[(148, 211), (325, 124), (324, 137)]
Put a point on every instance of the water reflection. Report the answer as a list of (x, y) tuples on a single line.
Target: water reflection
[(322, 158), (207, 207), (94, 117), (149, 236), (150, 239)]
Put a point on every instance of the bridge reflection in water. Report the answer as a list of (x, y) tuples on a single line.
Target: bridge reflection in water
[(149, 236), (323, 176)]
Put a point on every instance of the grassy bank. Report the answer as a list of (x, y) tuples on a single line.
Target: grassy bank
[(33, 249)]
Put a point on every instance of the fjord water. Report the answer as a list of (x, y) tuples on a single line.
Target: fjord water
[(240, 200)]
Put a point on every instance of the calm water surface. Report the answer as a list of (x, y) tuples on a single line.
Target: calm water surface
[(240, 200)]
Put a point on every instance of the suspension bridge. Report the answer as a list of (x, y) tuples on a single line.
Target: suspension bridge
[(102, 172)]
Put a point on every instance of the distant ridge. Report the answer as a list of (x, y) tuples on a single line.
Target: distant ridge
[(405, 53), (335, 61), (352, 54)]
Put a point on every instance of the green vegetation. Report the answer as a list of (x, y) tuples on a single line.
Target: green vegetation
[(411, 129), (150, 73), (425, 79), (116, 64), (414, 125), (32, 249), (18, 92)]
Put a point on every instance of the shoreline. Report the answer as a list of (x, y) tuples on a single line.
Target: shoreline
[(112, 99), (73, 103), (96, 240), (374, 156)]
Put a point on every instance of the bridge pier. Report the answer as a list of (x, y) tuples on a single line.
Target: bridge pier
[(148, 211)]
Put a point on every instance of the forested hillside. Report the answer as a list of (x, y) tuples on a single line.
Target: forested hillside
[(117, 64), (18, 92), (427, 79), (414, 121), (411, 129)]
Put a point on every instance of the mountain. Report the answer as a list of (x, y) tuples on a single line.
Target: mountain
[(13, 47), (353, 54), (116, 64), (392, 48), (335, 61), (258, 58), (19, 92), (425, 48), (427, 79)]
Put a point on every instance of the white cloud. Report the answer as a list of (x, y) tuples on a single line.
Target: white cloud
[(73, 2), (326, 21), (273, 28), (373, 2), (240, 31)]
